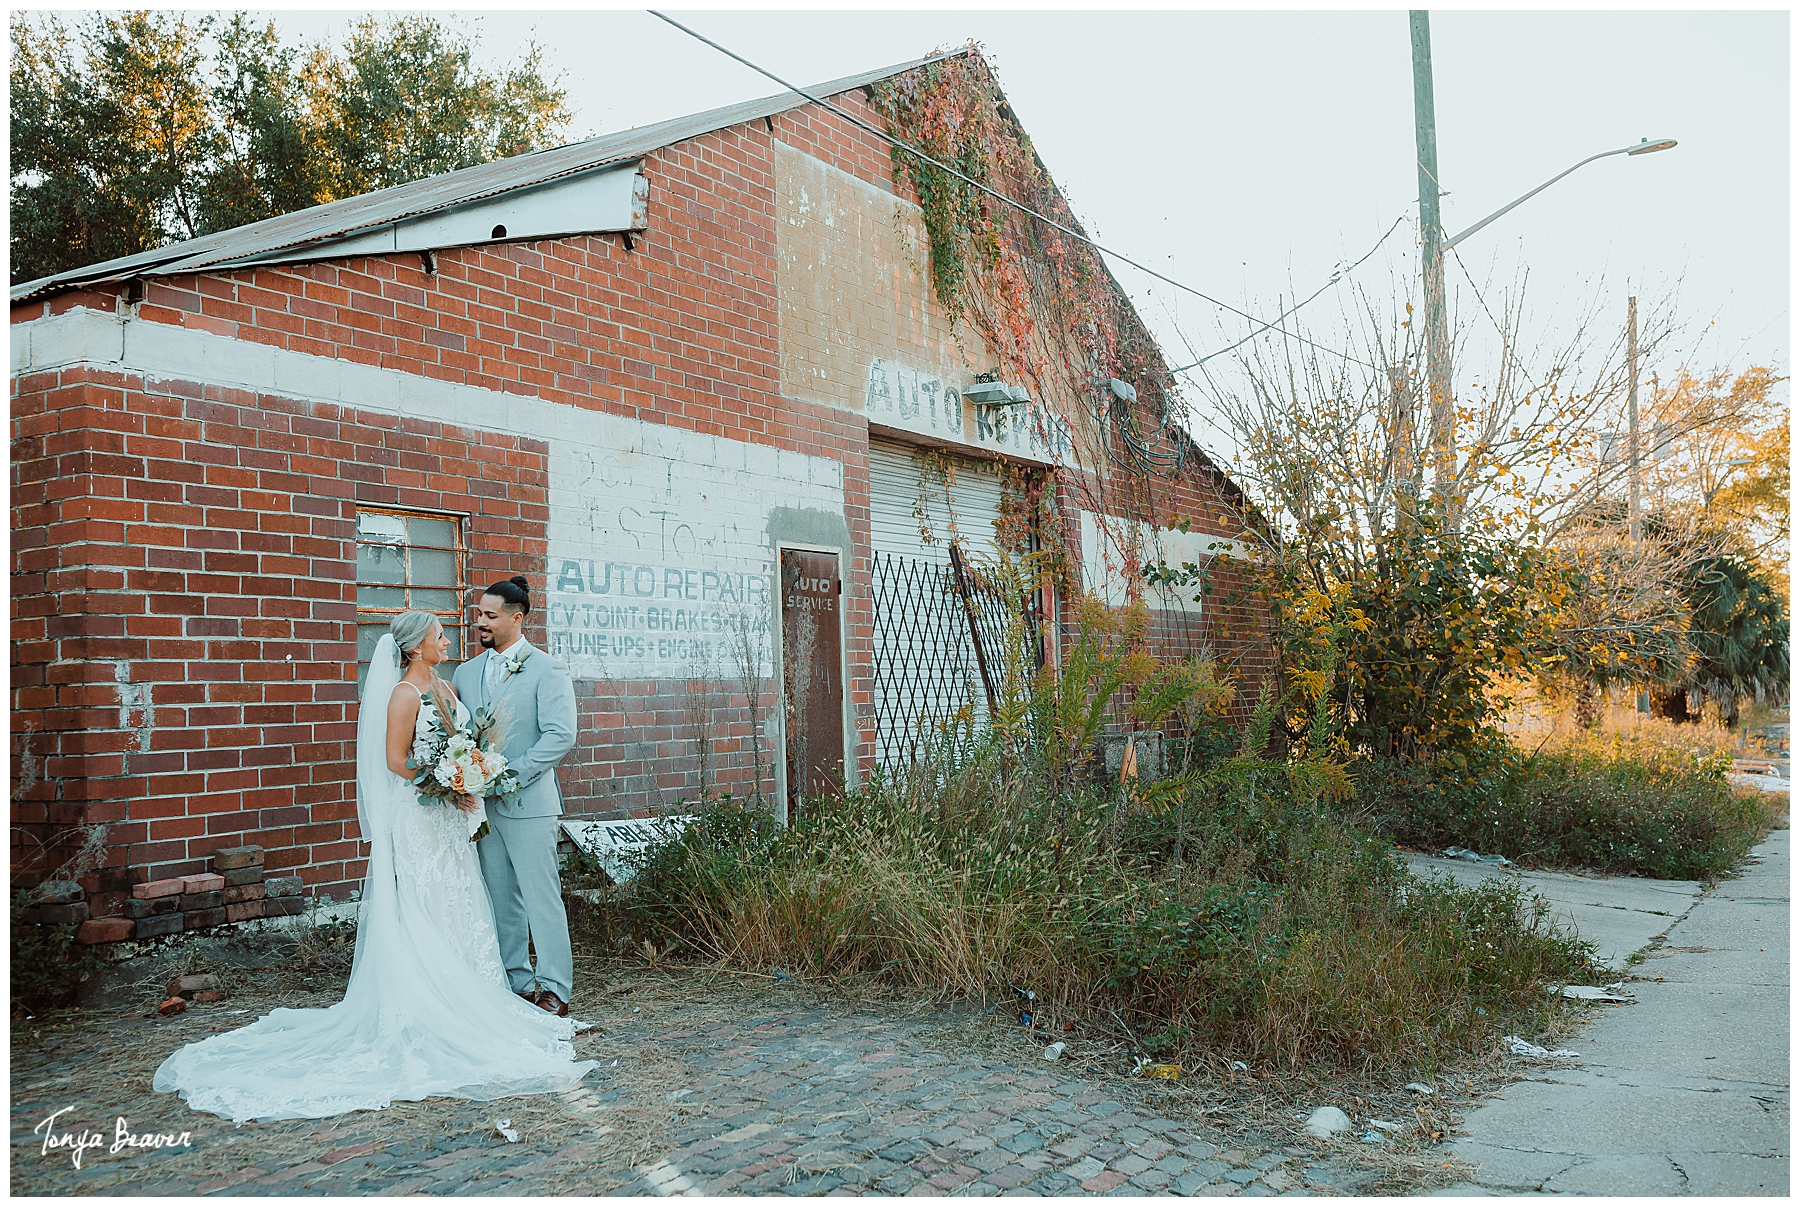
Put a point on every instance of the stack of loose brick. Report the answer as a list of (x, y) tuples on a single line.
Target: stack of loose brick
[(64, 903), (58, 903), (234, 891)]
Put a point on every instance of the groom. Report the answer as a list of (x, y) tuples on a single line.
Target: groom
[(531, 693)]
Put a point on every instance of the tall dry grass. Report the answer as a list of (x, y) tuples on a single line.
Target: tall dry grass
[(1282, 935), (1641, 801)]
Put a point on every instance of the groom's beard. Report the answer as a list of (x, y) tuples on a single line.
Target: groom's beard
[(485, 639)]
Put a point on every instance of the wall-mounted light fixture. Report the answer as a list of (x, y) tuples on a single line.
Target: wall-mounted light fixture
[(996, 394), (1124, 391)]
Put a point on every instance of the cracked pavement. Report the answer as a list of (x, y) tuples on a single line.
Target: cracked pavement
[(1684, 1091)]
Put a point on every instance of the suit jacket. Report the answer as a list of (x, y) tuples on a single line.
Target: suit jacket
[(537, 711)]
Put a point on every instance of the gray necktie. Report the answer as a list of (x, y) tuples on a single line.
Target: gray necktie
[(494, 666)]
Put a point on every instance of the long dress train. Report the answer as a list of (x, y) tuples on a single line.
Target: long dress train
[(427, 1012)]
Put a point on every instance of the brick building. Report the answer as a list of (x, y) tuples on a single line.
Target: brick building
[(692, 379)]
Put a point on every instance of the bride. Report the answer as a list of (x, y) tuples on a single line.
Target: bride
[(428, 1011)]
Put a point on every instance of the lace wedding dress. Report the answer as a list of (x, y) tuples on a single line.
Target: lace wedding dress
[(427, 1012)]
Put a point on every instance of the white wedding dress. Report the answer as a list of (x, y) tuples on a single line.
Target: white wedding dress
[(427, 1012)]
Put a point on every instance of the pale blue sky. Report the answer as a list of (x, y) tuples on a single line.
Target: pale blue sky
[(1246, 153)]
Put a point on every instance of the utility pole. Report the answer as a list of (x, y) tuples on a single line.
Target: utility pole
[(1631, 421), (1437, 333), (1631, 411), (1405, 470)]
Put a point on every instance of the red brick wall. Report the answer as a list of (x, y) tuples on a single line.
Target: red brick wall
[(184, 609), (1231, 624)]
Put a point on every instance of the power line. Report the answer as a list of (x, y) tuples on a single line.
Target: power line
[(998, 196), (1336, 276)]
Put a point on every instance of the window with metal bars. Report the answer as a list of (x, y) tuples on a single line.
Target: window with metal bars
[(407, 561)]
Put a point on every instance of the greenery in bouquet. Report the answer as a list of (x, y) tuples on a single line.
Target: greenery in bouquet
[(449, 761)]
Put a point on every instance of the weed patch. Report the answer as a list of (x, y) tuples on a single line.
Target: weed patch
[(1233, 909), (47, 964), (1283, 936), (1616, 804)]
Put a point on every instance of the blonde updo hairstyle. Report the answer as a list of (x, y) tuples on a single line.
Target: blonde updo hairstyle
[(410, 630)]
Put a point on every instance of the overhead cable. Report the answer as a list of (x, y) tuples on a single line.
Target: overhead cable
[(1337, 274), (998, 196)]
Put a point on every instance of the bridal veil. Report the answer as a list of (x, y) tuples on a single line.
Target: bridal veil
[(427, 1011)]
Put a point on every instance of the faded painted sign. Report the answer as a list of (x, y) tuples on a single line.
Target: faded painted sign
[(659, 556), (612, 844), (918, 401)]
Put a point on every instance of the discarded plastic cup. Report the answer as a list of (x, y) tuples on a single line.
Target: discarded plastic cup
[(1055, 1051)]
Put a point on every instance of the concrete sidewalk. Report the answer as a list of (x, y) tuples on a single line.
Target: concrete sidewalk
[(1683, 1092)]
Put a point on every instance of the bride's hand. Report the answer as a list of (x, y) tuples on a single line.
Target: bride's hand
[(468, 803)]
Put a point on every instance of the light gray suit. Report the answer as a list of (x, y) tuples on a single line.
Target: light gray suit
[(518, 860)]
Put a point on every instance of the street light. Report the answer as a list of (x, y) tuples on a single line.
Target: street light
[(1438, 336), (1642, 147)]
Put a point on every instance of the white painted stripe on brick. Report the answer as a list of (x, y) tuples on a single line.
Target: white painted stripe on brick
[(161, 352)]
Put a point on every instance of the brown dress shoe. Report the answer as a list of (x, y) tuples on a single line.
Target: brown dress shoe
[(530, 997), (551, 1004)]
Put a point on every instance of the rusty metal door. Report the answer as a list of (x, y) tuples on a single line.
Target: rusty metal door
[(812, 675)]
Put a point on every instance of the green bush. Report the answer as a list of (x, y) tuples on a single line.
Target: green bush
[(1610, 804), (1283, 933), (1234, 906)]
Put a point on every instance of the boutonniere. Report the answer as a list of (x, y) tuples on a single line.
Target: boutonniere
[(516, 663)]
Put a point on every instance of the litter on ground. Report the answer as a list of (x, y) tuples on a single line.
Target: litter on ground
[(1520, 1047), (1327, 1121), (1590, 993), (1468, 856)]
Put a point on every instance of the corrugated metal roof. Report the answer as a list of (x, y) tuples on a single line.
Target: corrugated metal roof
[(339, 218)]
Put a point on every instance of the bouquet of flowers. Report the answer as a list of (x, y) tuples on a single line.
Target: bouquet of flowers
[(450, 762)]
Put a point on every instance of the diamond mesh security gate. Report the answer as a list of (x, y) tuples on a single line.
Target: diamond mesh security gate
[(937, 660)]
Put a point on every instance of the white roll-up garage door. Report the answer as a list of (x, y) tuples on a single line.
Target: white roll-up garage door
[(924, 661), (905, 501)]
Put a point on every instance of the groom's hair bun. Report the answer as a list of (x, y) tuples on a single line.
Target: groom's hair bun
[(515, 593)]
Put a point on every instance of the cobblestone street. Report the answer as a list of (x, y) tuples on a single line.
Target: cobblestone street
[(703, 1089)]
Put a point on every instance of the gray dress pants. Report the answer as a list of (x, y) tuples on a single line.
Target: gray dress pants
[(518, 861)]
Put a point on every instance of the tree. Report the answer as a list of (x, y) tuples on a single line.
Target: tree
[(1720, 466), (1621, 615), (271, 160), (1758, 500), (1721, 453), (1740, 632), (109, 138), (1518, 569), (405, 101), (140, 129)]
